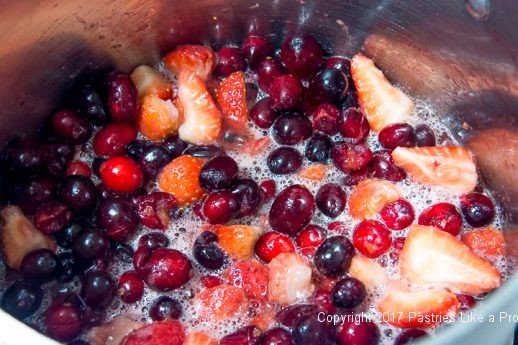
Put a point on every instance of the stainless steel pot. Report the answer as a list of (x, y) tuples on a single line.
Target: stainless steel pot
[(461, 56)]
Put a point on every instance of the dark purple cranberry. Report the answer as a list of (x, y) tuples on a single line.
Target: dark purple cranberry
[(309, 330), (334, 256), (153, 159), (353, 125), (256, 49), (96, 165), (252, 90), (317, 148), (424, 135), (40, 265), (66, 237), (351, 101), (284, 160), (220, 207), (34, 193), (248, 335), (91, 245), (324, 118), (206, 251), (478, 209), (92, 107), (301, 54), (204, 151), (288, 316), (353, 332), (409, 335), (263, 114), (153, 240), (382, 166), (122, 252), (154, 209), (175, 145), (352, 178), (79, 194), (396, 135), (328, 85), (63, 322), (466, 302), (248, 194), (267, 71), (26, 157), (51, 217), (67, 267), (292, 210), (135, 149), (398, 214), (165, 308), (348, 293), (331, 199), (230, 60), (291, 129), (339, 63), (22, 299), (130, 287), (349, 157), (286, 92), (218, 173), (121, 97), (277, 336), (71, 127), (98, 289), (118, 217)]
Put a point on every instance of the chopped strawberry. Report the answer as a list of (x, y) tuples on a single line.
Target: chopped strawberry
[(289, 279), (370, 196), (251, 276), (436, 258), (169, 332), (238, 240), (148, 81), (112, 332), (199, 338), (369, 272), (265, 318), (271, 244), (255, 147), (157, 118), (202, 119), (315, 172), (451, 167), (232, 101), (486, 242), (180, 178), (220, 302), (382, 103), (191, 58), (407, 308)]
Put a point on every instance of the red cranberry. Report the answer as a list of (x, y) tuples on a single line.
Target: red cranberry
[(334, 256), (399, 243), (353, 125), (218, 173), (277, 336), (340, 63), (271, 244), (352, 178), (328, 85), (309, 330), (292, 210), (322, 298), (121, 174), (91, 106), (317, 148), (220, 207), (174, 145), (71, 127), (268, 187), (478, 209), (286, 92), (347, 157), (153, 209), (248, 194), (249, 335), (78, 168), (122, 97), (371, 238), (230, 60), (97, 289), (79, 194), (256, 49), (40, 265), (118, 217), (52, 216), (444, 216), (153, 159), (90, 245), (331, 199), (424, 135), (207, 252), (204, 151), (284, 160), (348, 293), (466, 302), (398, 214), (364, 332), (130, 287), (398, 134), (165, 308), (383, 167), (21, 299), (211, 281), (324, 118), (112, 139), (409, 335), (291, 129), (309, 238), (153, 240), (301, 54), (63, 322), (263, 114), (65, 238), (267, 71)]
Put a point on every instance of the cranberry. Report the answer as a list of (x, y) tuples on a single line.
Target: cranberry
[(211, 281), (79, 194), (371, 238), (21, 299), (65, 238), (324, 118), (122, 252), (248, 335), (68, 267), (112, 139), (71, 127), (248, 194), (398, 134), (97, 289), (309, 330), (301, 54), (322, 298), (466, 302), (256, 49), (91, 106), (90, 245), (286, 92), (398, 214), (348, 293), (263, 114), (352, 178), (121, 174), (331, 199), (269, 188), (174, 145), (40, 265), (130, 287), (284, 160), (78, 168), (267, 71), (353, 332), (135, 149), (271, 244), (218, 173), (26, 157), (230, 60), (409, 335), (153, 209), (32, 194), (340, 63), (478, 209), (291, 129), (383, 167), (334, 256), (309, 238), (277, 336), (353, 125), (207, 252), (288, 316), (317, 148), (292, 210), (399, 243), (51, 217), (204, 151), (444, 216), (122, 97), (424, 136), (118, 217), (153, 240), (328, 85), (63, 322), (347, 157), (220, 207), (153, 159), (164, 308)]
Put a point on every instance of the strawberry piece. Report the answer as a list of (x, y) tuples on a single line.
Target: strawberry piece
[(436, 258), (369, 272), (255, 147), (180, 178), (238, 240), (271, 244), (251, 276), (370, 196), (382, 103), (420, 308), (220, 302), (451, 167), (199, 338), (231, 97), (150, 82), (168, 332), (315, 172), (486, 242), (112, 332), (265, 318), (202, 119), (157, 118), (289, 279), (192, 59)]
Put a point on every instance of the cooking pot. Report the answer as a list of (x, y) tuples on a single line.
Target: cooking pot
[(460, 56)]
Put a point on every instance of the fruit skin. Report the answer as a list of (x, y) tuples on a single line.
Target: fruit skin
[(238, 240), (289, 279), (478, 209), (451, 167), (231, 98), (348, 293), (168, 332), (21, 299), (334, 256), (382, 103), (398, 214), (111, 140), (148, 81), (130, 287), (180, 178), (230, 60), (371, 238), (301, 54), (444, 216), (271, 244), (158, 118), (488, 243), (122, 97), (292, 209), (331, 199), (220, 207), (220, 302), (350, 157), (64, 322), (71, 127), (286, 92), (370, 196), (251, 276), (121, 174), (153, 209), (195, 59), (364, 332)]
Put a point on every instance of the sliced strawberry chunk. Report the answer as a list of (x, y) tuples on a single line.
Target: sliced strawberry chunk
[(289, 279), (168, 332), (157, 118), (238, 241), (251, 276), (191, 58), (486, 242), (382, 103), (370, 196), (180, 178), (199, 338), (315, 172), (232, 101), (436, 258), (220, 302), (148, 81), (451, 167), (369, 272)]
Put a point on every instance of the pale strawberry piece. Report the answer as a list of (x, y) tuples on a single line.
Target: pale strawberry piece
[(251, 276), (111, 333), (150, 82), (370, 196), (199, 338), (265, 317), (369, 272), (180, 178), (488, 243), (201, 117), (432, 257), (231, 96), (452, 167), (315, 172), (191, 58), (220, 302), (406, 308), (168, 332), (380, 102), (289, 279), (238, 241), (158, 118)]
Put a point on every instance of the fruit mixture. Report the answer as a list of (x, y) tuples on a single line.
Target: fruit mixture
[(241, 197)]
